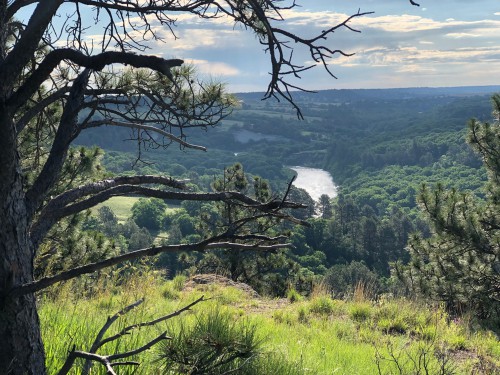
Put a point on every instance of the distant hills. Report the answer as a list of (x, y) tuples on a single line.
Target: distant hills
[(353, 95)]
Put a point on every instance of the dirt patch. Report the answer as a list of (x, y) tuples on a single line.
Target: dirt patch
[(204, 279)]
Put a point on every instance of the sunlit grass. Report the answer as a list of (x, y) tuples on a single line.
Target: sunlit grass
[(320, 335), (122, 207)]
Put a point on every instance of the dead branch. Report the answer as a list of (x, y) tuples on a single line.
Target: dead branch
[(109, 361), (211, 243), (127, 330)]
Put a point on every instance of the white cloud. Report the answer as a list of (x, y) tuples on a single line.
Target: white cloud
[(415, 68), (214, 68), (462, 35), (190, 39), (389, 23)]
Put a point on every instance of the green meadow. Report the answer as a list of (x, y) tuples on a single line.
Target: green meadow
[(121, 206), (294, 335)]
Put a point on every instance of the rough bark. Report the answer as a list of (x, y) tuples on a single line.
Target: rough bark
[(21, 348)]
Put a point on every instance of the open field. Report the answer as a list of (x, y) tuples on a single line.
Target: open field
[(122, 207)]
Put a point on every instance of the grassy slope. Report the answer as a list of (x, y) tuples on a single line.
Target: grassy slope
[(121, 206), (320, 335)]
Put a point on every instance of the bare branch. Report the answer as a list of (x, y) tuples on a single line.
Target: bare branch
[(39, 107), (64, 204), (128, 329), (111, 319), (99, 342), (211, 243), (146, 128), (25, 47), (16, 5)]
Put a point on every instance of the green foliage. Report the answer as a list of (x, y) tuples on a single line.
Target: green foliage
[(178, 282), (293, 296), (425, 359), (169, 291), (290, 339), (360, 311), (321, 305), (341, 279), (379, 152), (149, 213), (459, 263), (215, 344)]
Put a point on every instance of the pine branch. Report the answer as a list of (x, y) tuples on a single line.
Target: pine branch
[(148, 128), (92, 62), (57, 210), (212, 243), (66, 132)]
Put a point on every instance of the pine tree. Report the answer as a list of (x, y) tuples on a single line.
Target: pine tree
[(459, 263)]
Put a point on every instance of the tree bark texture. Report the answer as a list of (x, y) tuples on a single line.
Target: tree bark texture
[(21, 348)]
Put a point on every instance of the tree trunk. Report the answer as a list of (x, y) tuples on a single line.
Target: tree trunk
[(21, 347)]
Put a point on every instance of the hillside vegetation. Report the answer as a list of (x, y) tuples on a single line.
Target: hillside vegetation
[(296, 335), (347, 295)]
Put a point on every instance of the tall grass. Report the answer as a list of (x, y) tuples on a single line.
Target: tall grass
[(319, 335)]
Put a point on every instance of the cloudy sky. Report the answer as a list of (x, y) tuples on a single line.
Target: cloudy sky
[(440, 43)]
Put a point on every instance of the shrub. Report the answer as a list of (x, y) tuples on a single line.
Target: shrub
[(169, 291), (360, 312), (303, 314), (293, 296), (342, 279), (217, 344), (178, 282), (322, 305), (149, 212)]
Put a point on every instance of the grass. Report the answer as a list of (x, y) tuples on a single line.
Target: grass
[(319, 335), (122, 207)]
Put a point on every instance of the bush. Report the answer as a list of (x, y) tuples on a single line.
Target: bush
[(215, 344), (293, 296), (322, 305), (149, 213), (361, 311), (218, 344)]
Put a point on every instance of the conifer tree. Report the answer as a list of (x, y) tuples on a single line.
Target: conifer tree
[(460, 262)]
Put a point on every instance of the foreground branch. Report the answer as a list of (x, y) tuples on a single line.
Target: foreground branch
[(212, 243), (147, 128), (107, 361), (60, 206), (94, 63), (56, 210)]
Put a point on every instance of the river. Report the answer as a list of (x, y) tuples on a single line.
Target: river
[(315, 181)]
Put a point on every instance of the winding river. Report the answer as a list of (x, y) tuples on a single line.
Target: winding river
[(315, 181)]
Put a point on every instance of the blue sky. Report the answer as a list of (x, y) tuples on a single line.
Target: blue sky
[(440, 43)]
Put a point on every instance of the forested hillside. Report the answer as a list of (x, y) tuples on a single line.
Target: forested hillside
[(379, 145)]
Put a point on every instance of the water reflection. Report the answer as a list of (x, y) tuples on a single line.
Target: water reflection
[(315, 181)]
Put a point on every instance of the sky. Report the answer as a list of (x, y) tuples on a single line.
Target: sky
[(440, 43)]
